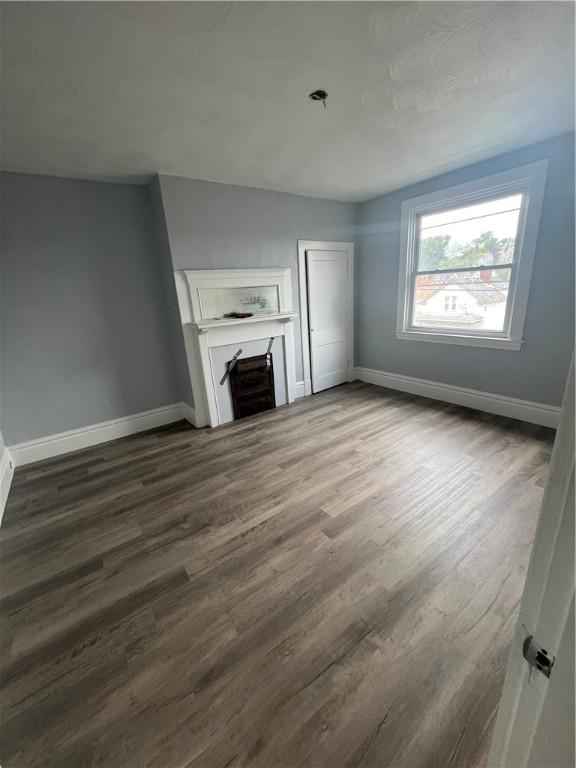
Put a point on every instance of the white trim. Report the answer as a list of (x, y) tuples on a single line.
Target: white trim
[(6, 475), (323, 245), (514, 408), (544, 607), (303, 388), (207, 325), (465, 341), (93, 434), (528, 180), (188, 413)]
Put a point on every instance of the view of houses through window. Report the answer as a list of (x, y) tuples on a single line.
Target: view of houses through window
[(464, 265)]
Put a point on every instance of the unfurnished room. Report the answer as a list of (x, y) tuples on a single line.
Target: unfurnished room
[(287, 384)]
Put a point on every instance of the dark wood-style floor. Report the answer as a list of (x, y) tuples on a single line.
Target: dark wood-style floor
[(332, 583)]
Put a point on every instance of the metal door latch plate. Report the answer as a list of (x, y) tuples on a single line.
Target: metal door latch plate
[(538, 657)]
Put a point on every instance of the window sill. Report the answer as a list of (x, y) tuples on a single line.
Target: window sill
[(490, 342)]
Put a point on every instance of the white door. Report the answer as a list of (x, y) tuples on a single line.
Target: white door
[(329, 308), (535, 723)]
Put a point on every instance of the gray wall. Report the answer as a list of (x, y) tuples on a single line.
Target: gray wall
[(169, 287), (2, 441), (84, 321), (2, 451), (90, 329), (538, 371), (214, 226)]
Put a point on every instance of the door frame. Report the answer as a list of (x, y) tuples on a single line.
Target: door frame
[(323, 245), (545, 603)]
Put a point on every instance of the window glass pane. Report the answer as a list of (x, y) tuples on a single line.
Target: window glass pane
[(475, 235), (467, 301)]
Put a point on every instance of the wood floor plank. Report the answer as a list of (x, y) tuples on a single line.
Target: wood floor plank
[(332, 583)]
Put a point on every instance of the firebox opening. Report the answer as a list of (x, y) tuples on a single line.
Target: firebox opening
[(252, 385)]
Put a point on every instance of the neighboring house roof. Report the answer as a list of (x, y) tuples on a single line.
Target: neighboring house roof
[(428, 286), (482, 292)]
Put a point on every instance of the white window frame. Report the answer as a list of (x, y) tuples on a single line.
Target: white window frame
[(527, 180)]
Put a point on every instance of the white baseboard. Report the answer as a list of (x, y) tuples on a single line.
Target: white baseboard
[(84, 437), (525, 410), (6, 474), (188, 413), (303, 388)]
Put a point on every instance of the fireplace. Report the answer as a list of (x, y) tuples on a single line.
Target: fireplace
[(222, 311), (252, 385)]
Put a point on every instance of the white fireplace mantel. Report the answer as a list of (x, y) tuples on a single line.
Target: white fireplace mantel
[(207, 325), (201, 335)]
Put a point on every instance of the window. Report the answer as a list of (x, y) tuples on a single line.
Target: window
[(466, 260)]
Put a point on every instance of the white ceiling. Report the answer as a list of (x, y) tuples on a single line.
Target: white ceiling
[(218, 90)]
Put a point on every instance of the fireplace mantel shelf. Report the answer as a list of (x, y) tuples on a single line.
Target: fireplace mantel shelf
[(205, 325)]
